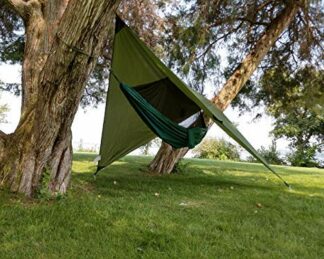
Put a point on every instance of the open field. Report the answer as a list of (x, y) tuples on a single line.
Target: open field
[(210, 209)]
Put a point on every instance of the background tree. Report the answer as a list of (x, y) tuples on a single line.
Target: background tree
[(211, 148), (271, 154), (297, 106), (255, 34), (295, 99)]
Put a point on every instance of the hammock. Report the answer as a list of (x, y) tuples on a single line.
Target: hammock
[(169, 131)]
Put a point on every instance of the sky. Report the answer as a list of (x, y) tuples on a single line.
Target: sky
[(87, 125)]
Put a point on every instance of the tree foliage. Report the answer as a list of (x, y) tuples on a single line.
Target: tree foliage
[(220, 149), (141, 15), (193, 37), (271, 155), (295, 99), (305, 157), (250, 34), (205, 32)]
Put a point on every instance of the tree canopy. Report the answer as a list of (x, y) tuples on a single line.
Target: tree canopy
[(141, 15), (205, 32), (194, 37), (242, 36), (295, 100)]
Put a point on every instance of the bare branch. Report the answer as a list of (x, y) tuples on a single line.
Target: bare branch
[(311, 29), (263, 5), (253, 23), (209, 47)]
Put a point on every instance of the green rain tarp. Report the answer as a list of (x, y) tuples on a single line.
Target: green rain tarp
[(135, 65)]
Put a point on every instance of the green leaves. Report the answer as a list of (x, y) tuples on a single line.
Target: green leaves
[(294, 100), (217, 149)]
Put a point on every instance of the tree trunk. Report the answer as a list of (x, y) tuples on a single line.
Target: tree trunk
[(167, 158), (63, 39), (60, 163)]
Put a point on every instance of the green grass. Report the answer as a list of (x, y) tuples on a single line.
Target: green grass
[(211, 209)]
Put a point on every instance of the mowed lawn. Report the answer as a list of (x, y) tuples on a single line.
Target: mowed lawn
[(210, 209)]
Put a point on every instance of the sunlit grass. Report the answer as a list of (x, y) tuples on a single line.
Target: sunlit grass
[(211, 209)]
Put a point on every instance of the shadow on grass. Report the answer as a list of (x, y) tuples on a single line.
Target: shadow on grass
[(136, 180), (131, 176)]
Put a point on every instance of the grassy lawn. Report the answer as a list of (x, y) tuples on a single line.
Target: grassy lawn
[(210, 209)]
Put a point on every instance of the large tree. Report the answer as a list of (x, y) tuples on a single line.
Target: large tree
[(63, 40), (256, 33), (64, 47)]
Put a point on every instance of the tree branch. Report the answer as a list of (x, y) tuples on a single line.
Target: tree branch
[(253, 23), (218, 39), (263, 5), (25, 8), (19, 6)]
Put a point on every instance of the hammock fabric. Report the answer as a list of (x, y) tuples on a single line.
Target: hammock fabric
[(169, 131)]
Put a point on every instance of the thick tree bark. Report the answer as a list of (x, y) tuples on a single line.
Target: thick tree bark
[(60, 163), (166, 158), (63, 39)]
